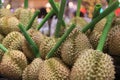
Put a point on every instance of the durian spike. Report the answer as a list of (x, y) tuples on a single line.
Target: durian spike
[(3, 48), (107, 11), (78, 8), (45, 19), (25, 4), (30, 41), (96, 13), (0, 4), (32, 19), (106, 29), (62, 39), (56, 10), (60, 17)]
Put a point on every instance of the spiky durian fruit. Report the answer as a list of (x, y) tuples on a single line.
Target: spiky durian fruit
[(12, 64), (53, 69), (31, 72), (5, 12), (80, 22), (13, 40), (95, 35), (46, 45), (24, 16), (8, 24), (75, 43), (37, 37), (93, 65)]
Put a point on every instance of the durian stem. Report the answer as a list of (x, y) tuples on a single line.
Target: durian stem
[(106, 29), (96, 12), (60, 17), (45, 19), (78, 8), (30, 41), (56, 11), (3, 48), (58, 44), (106, 12), (0, 4), (25, 4), (32, 19)]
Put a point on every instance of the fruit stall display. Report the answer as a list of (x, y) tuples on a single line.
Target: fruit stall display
[(77, 51)]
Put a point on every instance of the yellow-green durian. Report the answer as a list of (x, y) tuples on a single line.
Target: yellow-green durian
[(5, 12)]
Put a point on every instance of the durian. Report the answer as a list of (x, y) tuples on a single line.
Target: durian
[(93, 65), (75, 43), (31, 72), (5, 12), (8, 24), (13, 40), (53, 69), (12, 64)]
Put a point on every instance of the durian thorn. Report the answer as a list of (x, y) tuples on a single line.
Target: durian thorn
[(25, 4), (0, 4), (45, 19), (106, 12), (32, 44), (96, 12), (60, 17), (62, 39), (3, 48), (106, 29), (55, 8), (32, 19), (78, 8)]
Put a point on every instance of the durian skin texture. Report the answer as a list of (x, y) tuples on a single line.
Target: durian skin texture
[(8, 24), (13, 40), (31, 72), (54, 69), (93, 65), (71, 48), (12, 64), (5, 12)]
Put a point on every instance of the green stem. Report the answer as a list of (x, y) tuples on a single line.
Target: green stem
[(3, 48), (106, 12), (58, 44), (60, 17), (30, 41), (0, 4), (105, 32), (32, 19), (25, 4), (78, 8), (45, 19), (56, 10), (96, 13)]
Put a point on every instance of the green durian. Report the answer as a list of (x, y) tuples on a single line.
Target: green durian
[(5, 12), (8, 24), (12, 64), (31, 72), (93, 65), (53, 69), (13, 40), (24, 16), (75, 43)]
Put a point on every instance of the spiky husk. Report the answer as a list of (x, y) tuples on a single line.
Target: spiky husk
[(75, 43), (113, 42), (93, 65), (54, 69), (31, 72), (12, 64), (37, 37), (24, 15), (13, 40), (5, 12), (8, 24)]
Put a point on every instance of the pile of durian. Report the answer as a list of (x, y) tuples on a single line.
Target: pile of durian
[(78, 50)]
